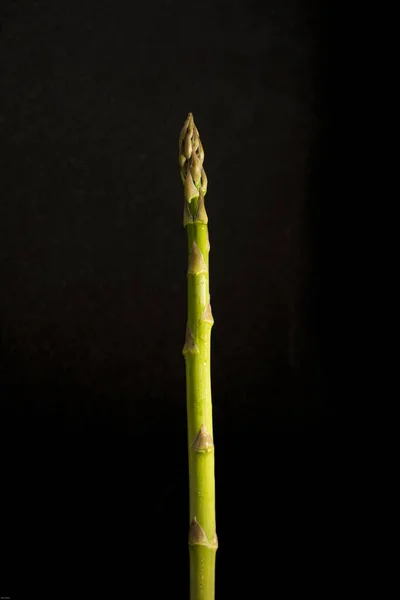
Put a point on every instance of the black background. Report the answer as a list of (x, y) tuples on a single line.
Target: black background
[(93, 296)]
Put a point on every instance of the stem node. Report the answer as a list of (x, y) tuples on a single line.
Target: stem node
[(197, 264), (203, 441)]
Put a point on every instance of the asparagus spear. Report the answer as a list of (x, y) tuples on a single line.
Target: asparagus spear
[(203, 541)]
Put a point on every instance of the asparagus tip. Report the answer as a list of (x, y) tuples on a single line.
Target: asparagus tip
[(191, 158)]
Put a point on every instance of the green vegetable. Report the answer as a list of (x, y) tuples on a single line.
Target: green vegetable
[(203, 541)]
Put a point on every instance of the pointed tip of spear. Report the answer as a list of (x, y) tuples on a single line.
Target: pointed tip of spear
[(191, 158)]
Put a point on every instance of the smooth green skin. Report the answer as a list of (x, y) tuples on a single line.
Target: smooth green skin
[(202, 573), (199, 412)]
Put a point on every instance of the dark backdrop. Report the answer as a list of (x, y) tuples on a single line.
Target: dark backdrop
[(93, 295)]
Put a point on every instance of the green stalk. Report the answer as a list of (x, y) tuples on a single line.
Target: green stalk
[(203, 541)]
